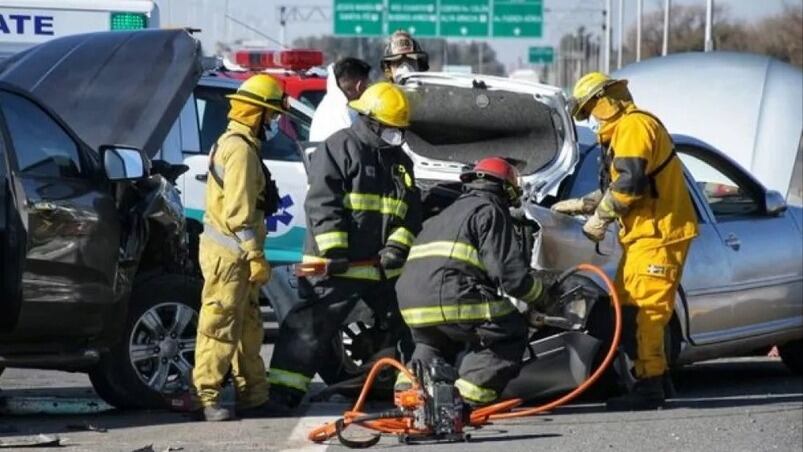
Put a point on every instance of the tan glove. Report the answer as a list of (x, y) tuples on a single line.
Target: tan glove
[(595, 227), (259, 271), (579, 206)]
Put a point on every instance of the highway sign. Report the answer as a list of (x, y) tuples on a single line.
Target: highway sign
[(359, 17), (419, 17), (541, 55), (465, 18), (518, 18)]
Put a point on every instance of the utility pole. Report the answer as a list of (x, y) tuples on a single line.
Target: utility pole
[(621, 34), (639, 10), (283, 25), (709, 25), (607, 12), (665, 46)]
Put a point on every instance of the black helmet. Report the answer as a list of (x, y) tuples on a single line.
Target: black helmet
[(402, 45)]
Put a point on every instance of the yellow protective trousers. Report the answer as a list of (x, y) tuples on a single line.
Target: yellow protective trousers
[(648, 279), (229, 329)]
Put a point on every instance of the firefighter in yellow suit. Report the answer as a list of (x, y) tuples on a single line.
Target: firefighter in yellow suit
[(232, 255), (643, 189)]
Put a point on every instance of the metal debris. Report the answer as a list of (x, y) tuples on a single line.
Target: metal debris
[(52, 405)]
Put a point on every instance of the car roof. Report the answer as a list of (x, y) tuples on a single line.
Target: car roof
[(744, 105)]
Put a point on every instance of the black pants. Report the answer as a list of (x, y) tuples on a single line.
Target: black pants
[(305, 336), (494, 351)]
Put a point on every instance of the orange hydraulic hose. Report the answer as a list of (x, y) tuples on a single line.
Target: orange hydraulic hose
[(482, 415)]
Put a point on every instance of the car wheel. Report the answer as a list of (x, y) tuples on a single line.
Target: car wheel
[(156, 354), (792, 355)]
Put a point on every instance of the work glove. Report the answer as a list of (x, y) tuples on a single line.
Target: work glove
[(579, 206), (596, 227), (519, 216), (337, 265), (259, 271), (392, 258)]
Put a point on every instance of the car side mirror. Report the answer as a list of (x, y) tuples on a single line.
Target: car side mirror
[(123, 163), (774, 202)]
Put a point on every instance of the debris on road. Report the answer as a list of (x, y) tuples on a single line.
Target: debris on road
[(52, 405), (31, 441), (87, 427)]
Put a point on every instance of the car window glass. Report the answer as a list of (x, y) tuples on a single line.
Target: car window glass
[(41, 146), (213, 110), (587, 178), (726, 197)]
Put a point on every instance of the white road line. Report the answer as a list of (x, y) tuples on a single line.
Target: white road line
[(298, 442)]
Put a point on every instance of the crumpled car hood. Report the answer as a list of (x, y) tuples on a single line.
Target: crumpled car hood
[(124, 88)]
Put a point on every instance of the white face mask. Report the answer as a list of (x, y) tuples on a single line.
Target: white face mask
[(272, 129), (593, 124), (393, 137), (401, 70)]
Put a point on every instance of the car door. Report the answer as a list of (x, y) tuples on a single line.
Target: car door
[(761, 252), (12, 250), (72, 228)]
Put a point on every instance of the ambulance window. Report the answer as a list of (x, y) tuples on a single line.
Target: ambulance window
[(41, 146), (213, 110), (312, 98)]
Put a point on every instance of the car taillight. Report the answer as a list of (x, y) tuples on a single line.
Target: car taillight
[(128, 21), (294, 60)]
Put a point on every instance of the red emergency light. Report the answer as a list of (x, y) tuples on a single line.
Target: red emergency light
[(295, 60)]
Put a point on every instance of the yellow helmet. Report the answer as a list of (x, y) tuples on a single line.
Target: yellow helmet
[(588, 87), (384, 102), (262, 90)]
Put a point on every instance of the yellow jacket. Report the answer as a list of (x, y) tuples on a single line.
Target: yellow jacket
[(647, 192), (231, 210)]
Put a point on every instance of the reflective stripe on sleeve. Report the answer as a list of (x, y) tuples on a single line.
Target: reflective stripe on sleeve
[(403, 236), (452, 250), (246, 235), (330, 240), (435, 315), (474, 393), (534, 292), (289, 379), (382, 204)]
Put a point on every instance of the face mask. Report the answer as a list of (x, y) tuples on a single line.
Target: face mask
[(272, 129), (402, 70), (593, 124), (393, 137)]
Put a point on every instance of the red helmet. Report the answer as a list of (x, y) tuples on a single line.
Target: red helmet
[(496, 168)]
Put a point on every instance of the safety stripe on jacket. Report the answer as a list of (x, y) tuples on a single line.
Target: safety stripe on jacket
[(402, 236), (474, 393), (463, 312), (330, 240), (451, 250), (289, 379), (366, 272), (534, 292), (376, 203)]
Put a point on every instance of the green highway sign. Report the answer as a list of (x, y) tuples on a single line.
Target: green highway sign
[(541, 55), (419, 17), (446, 18), (518, 18), (465, 18), (359, 17)]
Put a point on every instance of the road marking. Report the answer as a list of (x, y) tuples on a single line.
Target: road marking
[(298, 442)]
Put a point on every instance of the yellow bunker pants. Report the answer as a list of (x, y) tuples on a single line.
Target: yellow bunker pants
[(648, 279), (229, 329)]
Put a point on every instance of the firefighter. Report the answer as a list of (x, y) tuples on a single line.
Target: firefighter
[(642, 188), (450, 294), (403, 55), (231, 253), (362, 208)]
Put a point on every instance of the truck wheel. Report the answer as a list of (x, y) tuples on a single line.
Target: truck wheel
[(155, 356), (792, 355)]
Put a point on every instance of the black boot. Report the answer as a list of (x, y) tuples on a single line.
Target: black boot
[(216, 413), (647, 394)]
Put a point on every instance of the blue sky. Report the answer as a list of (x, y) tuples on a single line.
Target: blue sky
[(561, 16)]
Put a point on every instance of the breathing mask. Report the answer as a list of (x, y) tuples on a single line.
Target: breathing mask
[(392, 136)]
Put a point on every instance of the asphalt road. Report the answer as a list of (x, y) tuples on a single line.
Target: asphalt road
[(745, 404)]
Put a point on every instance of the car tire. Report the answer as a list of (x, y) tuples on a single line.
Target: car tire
[(792, 355), (155, 355)]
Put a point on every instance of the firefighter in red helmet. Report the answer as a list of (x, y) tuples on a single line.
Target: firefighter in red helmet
[(451, 291)]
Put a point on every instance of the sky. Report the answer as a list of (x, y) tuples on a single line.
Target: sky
[(560, 17)]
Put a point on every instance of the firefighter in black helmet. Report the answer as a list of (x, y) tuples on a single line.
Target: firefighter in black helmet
[(403, 55)]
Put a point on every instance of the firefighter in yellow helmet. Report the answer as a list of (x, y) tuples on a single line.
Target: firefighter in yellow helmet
[(643, 189), (231, 254), (363, 212)]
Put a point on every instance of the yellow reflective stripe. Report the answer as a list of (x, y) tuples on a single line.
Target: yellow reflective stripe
[(403, 236), (289, 379), (474, 393), (382, 204), (402, 379), (433, 315), (534, 292), (452, 250), (334, 239), (361, 272)]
